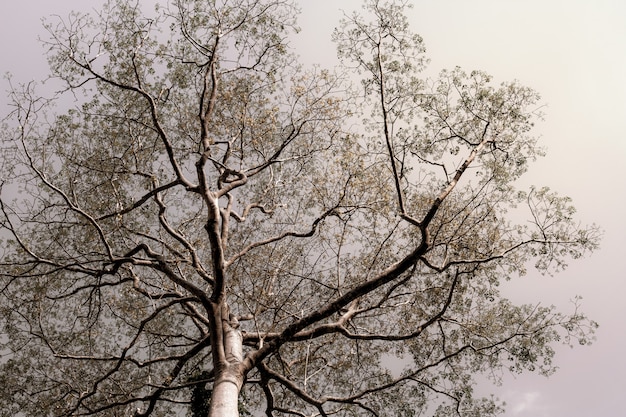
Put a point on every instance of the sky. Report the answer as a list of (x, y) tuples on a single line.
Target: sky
[(574, 53)]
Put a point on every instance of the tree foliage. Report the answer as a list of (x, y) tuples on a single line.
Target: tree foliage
[(206, 217)]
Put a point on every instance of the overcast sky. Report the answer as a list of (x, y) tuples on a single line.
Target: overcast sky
[(574, 53)]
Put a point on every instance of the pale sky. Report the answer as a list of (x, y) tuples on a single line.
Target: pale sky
[(574, 53)]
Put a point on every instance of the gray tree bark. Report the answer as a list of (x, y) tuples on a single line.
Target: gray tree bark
[(229, 374)]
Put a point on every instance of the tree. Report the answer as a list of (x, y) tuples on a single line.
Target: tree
[(206, 218)]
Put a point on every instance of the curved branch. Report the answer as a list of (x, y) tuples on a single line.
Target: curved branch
[(291, 386), (311, 232), (72, 206), (388, 275), (338, 327), (457, 176), (195, 261), (240, 218), (122, 358), (153, 113), (142, 200)]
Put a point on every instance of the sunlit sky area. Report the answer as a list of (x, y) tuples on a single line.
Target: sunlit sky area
[(574, 53)]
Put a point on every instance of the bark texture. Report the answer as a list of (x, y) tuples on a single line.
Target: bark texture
[(229, 373)]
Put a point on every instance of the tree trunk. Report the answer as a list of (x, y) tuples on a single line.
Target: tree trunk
[(229, 375), (225, 396)]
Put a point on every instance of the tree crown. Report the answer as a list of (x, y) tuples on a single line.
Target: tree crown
[(208, 210)]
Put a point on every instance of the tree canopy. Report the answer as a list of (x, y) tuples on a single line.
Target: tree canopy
[(196, 224)]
